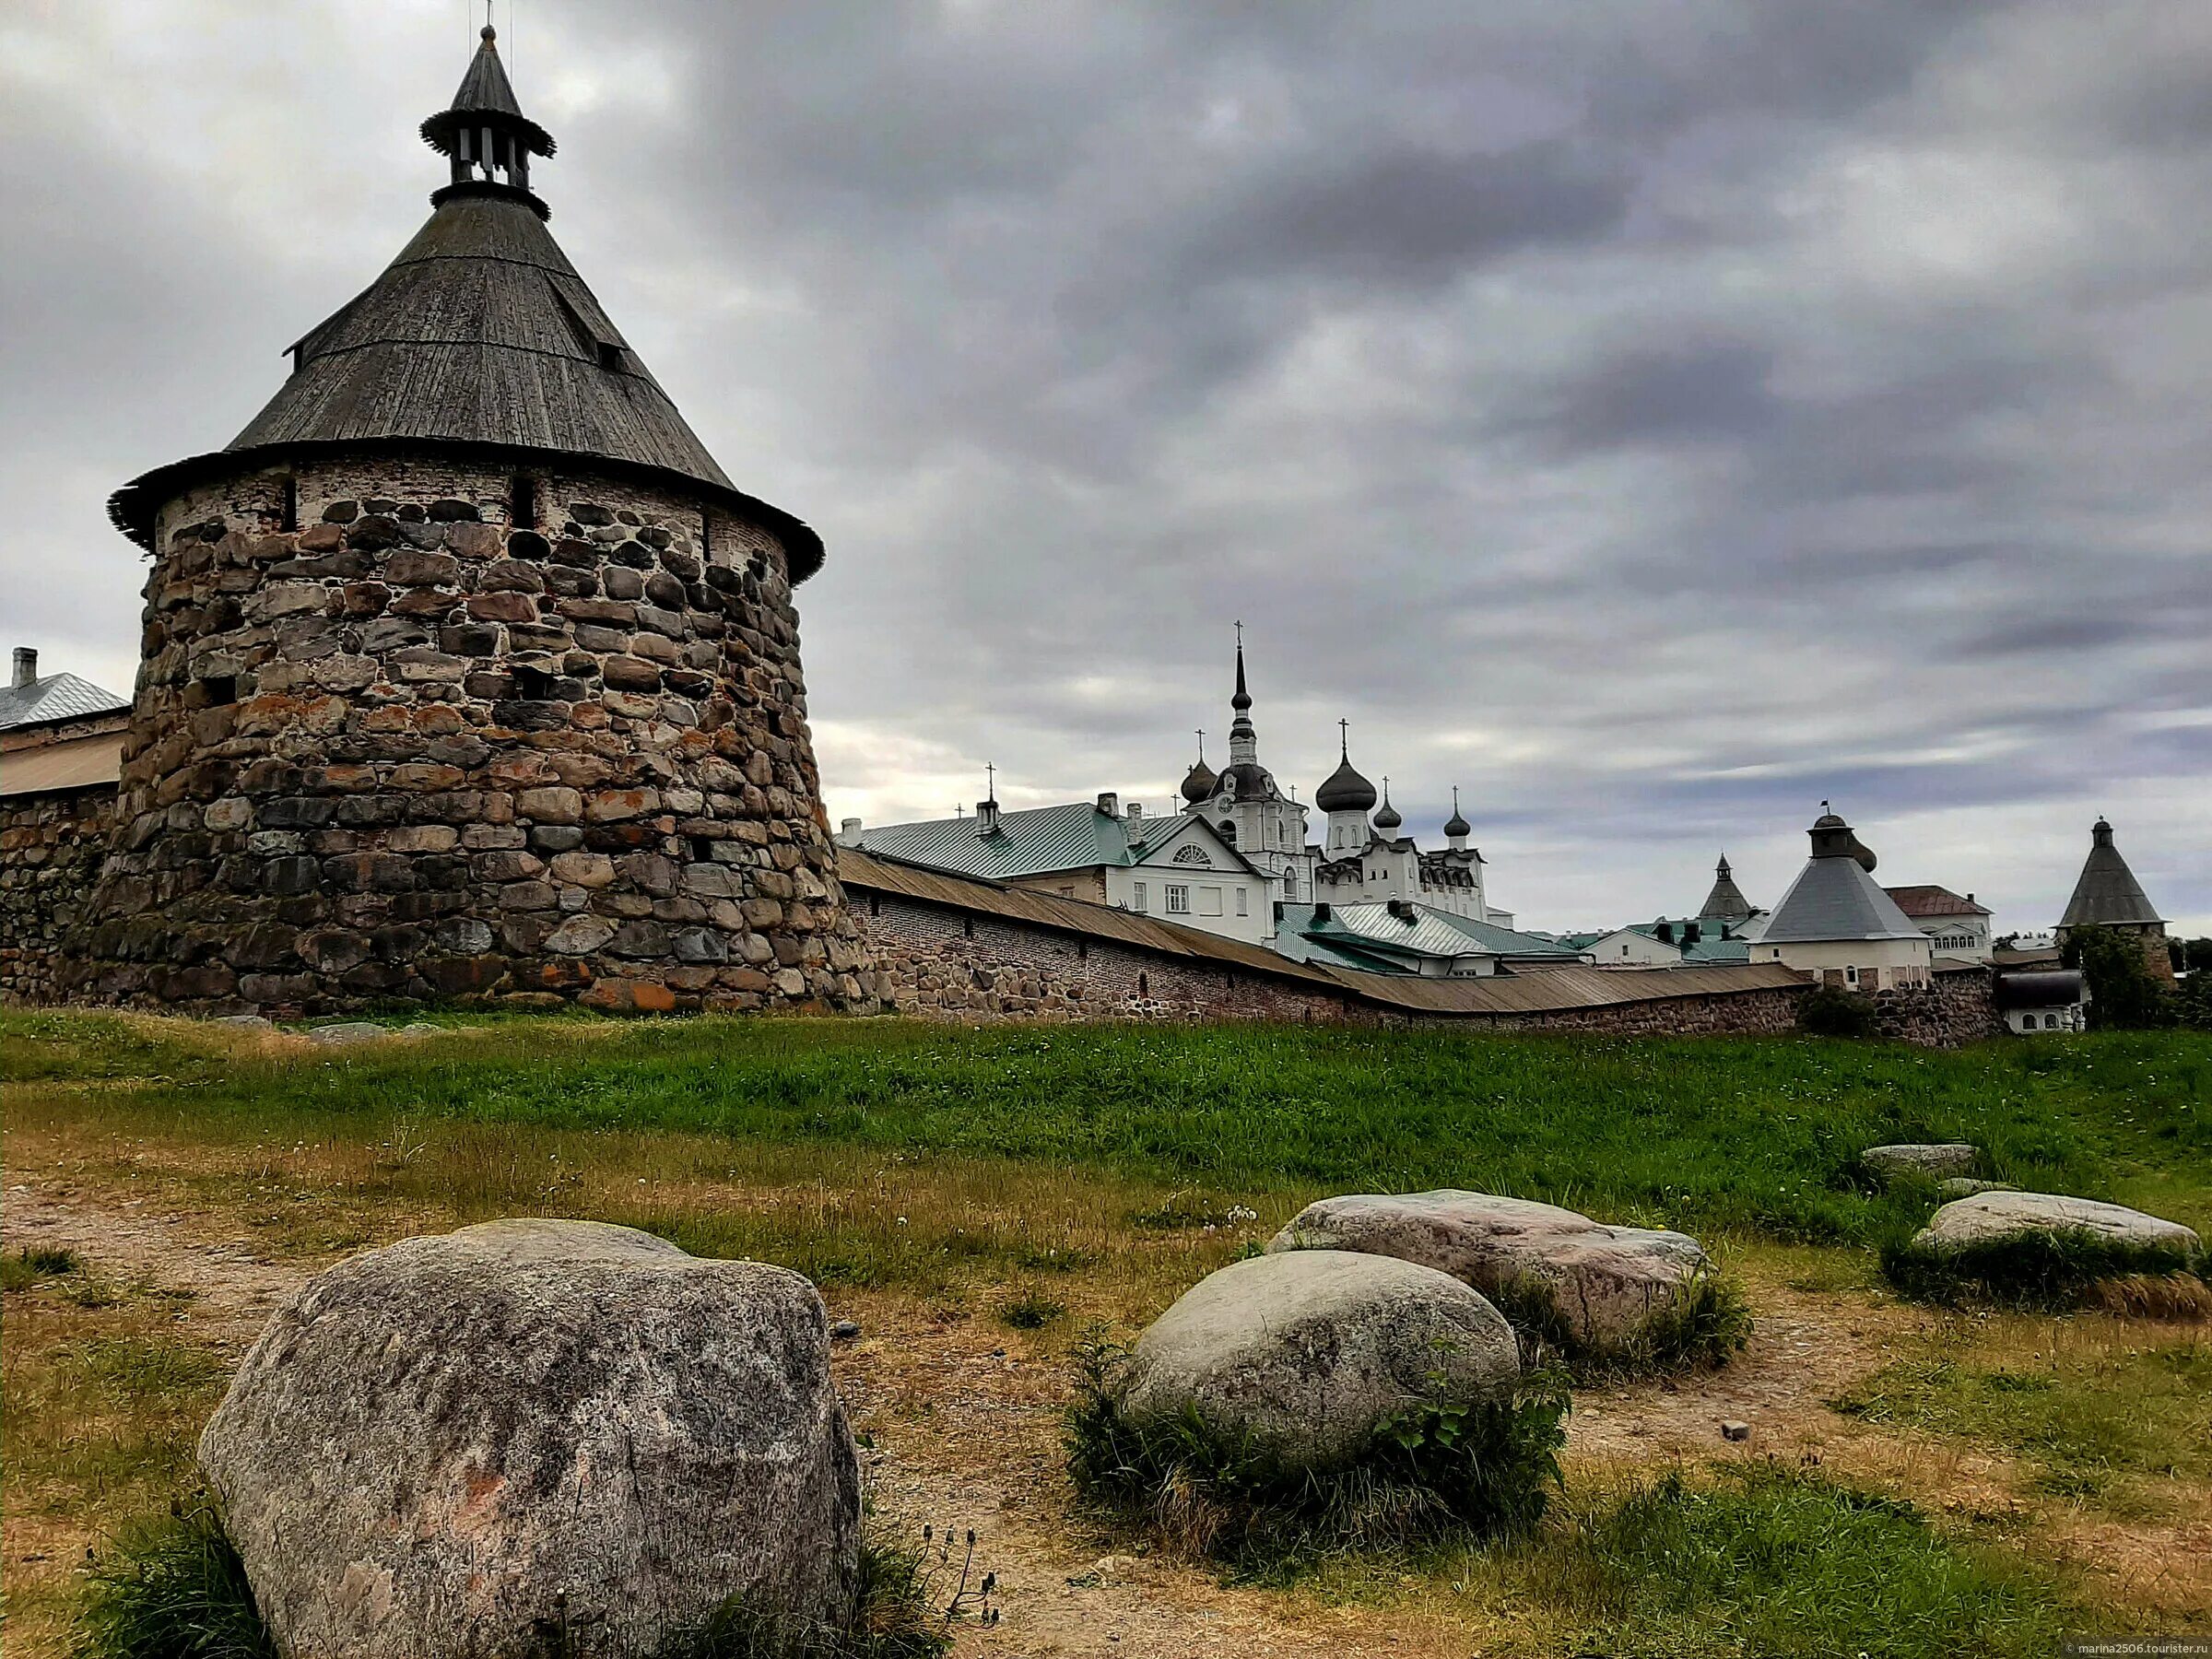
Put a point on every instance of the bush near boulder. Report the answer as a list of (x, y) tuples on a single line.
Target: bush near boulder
[(1831, 1012), (1429, 1472)]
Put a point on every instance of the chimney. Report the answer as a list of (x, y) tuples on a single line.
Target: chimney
[(1322, 911), (1109, 803), (1136, 812), (1402, 909), (986, 818), (848, 832), (26, 664)]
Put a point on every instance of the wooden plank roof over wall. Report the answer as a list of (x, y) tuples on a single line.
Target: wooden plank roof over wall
[(1555, 990)]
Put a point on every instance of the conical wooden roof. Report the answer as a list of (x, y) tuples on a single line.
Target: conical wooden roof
[(2106, 894), (481, 336)]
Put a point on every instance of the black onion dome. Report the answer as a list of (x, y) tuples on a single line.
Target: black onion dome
[(1457, 825), (1248, 781), (1388, 818), (1199, 783), (1346, 791)]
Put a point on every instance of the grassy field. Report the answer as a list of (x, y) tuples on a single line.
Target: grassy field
[(1919, 1481)]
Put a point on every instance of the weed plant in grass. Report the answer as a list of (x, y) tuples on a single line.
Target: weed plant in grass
[(1785, 1565), (174, 1588), (1700, 1133), (2049, 1272), (20, 1269), (1431, 1474)]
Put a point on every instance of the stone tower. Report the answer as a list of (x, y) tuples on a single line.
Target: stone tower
[(466, 671)]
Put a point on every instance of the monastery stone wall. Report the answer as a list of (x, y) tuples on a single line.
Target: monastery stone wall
[(1958, 1007), (935, 962), (49, 851), (410, 750)]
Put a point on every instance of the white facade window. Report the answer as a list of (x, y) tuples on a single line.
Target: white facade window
[(1179, 900), (1243, 904), (1136, 897), (1209, 901), (1851, 976)]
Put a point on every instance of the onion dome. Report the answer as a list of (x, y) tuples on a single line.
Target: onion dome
[(1388, 818), (1458, 824), (1198, 784), (1345, 790)]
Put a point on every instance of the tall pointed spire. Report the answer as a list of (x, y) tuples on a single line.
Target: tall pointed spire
[(1243, 737)]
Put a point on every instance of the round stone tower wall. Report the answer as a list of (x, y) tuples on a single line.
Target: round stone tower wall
[(389, 744)]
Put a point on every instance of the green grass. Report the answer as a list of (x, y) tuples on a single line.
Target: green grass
[(1431, 1472), (1716, 1134), (23, 1268), (2097, 1421), (173, 1587), (1031, 1310), (1775, 1564), (2047, 1272)]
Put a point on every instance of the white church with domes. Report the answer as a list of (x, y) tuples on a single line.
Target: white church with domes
[(1364, 856)]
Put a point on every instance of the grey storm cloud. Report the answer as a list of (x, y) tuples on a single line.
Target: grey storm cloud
[(1651, 418)]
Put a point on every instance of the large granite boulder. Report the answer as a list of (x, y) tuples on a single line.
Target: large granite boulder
[(1927, 1160), (456, 1447), (1996, 1218), (1601, 1287), (1302, 1356)]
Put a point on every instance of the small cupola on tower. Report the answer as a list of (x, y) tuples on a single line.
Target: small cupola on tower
[(1388, 821), (486, 135), (1201, 781), (1456, 828)]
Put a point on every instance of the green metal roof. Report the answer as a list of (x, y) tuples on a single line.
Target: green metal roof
[(1036, 840)]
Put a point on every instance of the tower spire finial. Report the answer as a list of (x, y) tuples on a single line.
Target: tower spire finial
[(1242, 700), (1344, 740), (1201, 745)]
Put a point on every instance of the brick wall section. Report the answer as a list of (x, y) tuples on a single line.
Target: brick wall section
[(50, 852), (407, 748)]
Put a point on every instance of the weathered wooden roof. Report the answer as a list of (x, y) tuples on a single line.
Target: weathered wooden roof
[(481, 336), (484, 91), (2106, 894)]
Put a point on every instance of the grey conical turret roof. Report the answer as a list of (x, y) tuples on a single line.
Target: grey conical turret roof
[(1834, 897), (1727, 901), (485, 95), (479, 337), (2108, 894)]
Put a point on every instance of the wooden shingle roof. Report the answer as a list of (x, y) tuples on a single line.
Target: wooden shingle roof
[(479, 337)]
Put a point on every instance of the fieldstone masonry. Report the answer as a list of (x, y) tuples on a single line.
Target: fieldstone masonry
[(390, 744), (49, 851)]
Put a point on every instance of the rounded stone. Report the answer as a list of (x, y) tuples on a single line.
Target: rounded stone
[(446, 1448), (1305, 1353), (1604, 1283), (1993, 1217)]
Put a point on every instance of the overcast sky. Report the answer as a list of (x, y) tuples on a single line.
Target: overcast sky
[(1653, 418)]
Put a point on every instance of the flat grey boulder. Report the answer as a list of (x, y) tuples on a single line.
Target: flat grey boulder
[(1933, 1160), (346, 1031), (1990, 1218), (453, 1447), (1304, 1354), (1604, 1283)]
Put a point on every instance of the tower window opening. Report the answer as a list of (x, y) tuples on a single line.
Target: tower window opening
[(533, 684), (292, 505), (522, 502)]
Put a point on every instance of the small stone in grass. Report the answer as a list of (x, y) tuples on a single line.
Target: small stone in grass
[(844, 1330), (1735, 1432)]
